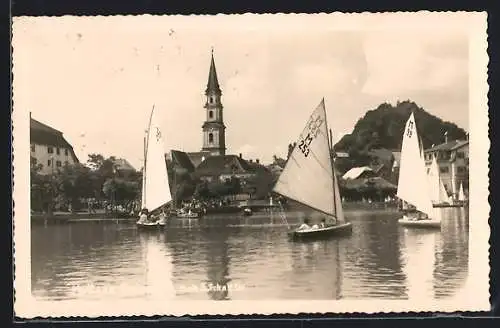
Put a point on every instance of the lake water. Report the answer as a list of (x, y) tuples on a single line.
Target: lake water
[(224, 258)]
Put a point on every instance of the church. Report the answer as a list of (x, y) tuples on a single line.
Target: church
[(212, 163)]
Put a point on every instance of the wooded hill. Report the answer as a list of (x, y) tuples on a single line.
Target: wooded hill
[(382, 129)]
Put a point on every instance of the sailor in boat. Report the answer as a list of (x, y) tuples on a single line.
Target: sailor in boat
[(322, 223), (162, 217), (143, 217), (304, 226), (415, 215)]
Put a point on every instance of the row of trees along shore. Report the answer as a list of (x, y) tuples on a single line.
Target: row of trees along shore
[(69, 187)]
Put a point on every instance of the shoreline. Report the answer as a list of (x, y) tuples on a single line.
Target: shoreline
[(292, 213)]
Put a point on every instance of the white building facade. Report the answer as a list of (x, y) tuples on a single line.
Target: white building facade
[(49, 150)]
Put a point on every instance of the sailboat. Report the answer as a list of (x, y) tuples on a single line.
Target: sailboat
[(309, 178), (439, 195), (461, 195), (412, 175), (155, 185)]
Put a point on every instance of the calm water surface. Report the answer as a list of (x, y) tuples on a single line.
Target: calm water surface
[(223, 258)]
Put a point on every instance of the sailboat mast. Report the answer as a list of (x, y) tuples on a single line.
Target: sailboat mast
[(330, 149), (146, 151)]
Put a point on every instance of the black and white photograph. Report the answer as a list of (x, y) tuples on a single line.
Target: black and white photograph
[(244, 164)]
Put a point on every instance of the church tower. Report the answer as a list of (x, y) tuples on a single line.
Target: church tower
[(214, 130)]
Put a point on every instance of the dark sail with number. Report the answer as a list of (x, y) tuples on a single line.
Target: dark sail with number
[(308, 176)]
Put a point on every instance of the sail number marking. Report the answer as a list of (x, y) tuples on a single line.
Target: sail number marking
[(304, 144), (409, 132), (313, 126), (158, 134)]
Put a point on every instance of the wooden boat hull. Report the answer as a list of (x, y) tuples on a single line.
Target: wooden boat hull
[(423, 224), (150, 226), (322, 233)]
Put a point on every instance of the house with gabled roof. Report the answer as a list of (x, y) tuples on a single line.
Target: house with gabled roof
[(453, 161), (48, 148)]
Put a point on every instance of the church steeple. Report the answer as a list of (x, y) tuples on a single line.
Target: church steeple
[(214, 135), (213, 81)]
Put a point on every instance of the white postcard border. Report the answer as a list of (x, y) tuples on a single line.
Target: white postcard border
[(477, 293)]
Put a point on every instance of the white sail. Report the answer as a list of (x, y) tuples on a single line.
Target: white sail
[(307, 176), (412, 172), (461, 195), (156, 189), (338, 200), (437, 190)]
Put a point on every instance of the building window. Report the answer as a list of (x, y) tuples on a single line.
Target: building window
[(210, 137), (34, 160), (460, 169), (58, 151), (33, 148), (211, 100), (48, 162), (58, 163), (66, 163), (460, 154), (50, 150), (210, 114), (428, 170), (66, 153), (444, 169)]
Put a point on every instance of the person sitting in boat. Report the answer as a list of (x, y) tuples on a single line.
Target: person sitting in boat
[(315, 227), (305, 225), (143, 217), (322, 223), (162, 218)]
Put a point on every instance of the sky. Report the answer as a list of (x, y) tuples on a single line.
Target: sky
[(97, 78)]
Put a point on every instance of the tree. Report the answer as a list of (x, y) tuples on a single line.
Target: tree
[(291, 147), (279, 161), (73, 183)]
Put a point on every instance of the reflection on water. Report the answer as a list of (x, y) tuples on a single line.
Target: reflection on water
[(223, 259)]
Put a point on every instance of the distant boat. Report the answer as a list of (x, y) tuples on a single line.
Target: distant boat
[(461, 195), (413, 184), (187, 215), (309, 178), (155, 185)]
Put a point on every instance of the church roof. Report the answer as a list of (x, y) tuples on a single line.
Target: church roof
[(213, 82), (182, 159), (223, 164)]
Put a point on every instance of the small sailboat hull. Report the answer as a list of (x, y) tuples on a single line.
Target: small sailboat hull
[(423, 224), (150, 225), (322, 233)]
